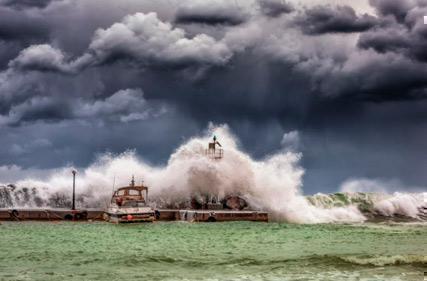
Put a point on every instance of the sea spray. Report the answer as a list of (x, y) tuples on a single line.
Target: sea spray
[(272, 184), (373, 204), (404, 204)]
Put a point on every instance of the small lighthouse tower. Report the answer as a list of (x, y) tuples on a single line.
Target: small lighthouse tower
[(214, 150)]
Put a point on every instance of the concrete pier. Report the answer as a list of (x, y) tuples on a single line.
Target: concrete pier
[(49, 214), (221, 215), (161, 215)]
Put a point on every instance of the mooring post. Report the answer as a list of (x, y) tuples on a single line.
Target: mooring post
[(74, 190)]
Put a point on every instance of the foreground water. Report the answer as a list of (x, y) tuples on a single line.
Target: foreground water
[(219, 251)]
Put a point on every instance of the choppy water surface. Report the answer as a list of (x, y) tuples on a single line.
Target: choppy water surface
[(219, 251)]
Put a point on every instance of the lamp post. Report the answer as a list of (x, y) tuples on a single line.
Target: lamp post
[(74, 190)]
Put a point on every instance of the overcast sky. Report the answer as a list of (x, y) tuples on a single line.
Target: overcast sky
[(79, 78)]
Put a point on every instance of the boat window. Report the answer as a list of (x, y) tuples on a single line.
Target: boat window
[(121, 192), (134, 204), (133, 192)]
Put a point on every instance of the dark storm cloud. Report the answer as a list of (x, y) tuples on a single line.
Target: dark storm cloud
[(147, 42), (23, 4), (140, 38), (86, 75), (16, 88), (216, 13), (79, 142), (378, 79), (329, 19), (21, 26), (187, 18), (397, 8), (44, 108), (19, 29), (383, 40), (408, 36), (275, 8), (123, 106)]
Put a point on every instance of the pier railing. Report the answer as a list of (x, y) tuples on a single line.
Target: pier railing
[(217, 153)]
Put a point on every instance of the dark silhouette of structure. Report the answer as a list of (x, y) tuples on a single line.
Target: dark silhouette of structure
[(214, 150)]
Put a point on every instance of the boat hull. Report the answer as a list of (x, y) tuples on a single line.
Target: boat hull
[(129, 218)]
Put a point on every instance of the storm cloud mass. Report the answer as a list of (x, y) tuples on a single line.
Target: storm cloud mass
[(347, 82)]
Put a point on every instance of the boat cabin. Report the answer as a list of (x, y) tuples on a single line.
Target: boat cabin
[(131, 196)]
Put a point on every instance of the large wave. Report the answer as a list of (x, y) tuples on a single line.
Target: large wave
[(376, 205), (273, 184)]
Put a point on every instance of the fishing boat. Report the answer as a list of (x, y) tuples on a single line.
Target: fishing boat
[(129, 204)]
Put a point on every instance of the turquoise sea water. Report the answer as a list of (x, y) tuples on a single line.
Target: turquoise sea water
[(217, 251)]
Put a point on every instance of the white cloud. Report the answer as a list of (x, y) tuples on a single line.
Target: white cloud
[(125, 106), (46, 58), (145, 38), (291, 141), (140, 37), (42, 58)]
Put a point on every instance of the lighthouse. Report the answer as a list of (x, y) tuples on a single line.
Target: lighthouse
[(214, 150)]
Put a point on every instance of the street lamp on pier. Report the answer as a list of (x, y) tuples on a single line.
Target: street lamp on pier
[(74, 190)]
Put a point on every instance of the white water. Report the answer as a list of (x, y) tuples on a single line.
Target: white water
[(409, 205), (273, 184), (402, 204)]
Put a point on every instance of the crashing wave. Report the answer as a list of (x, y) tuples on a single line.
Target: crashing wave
[(377, 205), (272, 184), (12, 196)]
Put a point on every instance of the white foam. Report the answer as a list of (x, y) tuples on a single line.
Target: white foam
[(272, 184), (402, 204)]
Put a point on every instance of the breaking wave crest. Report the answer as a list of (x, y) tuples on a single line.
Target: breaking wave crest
[(367, 260), (272, 184), (386, 260), (374, 205)]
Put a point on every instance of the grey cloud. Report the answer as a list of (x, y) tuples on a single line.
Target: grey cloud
[(216, 12), (13, 173), (329, 19), (141, 38), (23, 4), (45, 58), (146, 39), (16, 88), (408, 37), (39, 143), (383, 40), (123, 106), (376, 77), (77, 142), (36, 109), (396, 8), (22, 26), (149, 43), (275, 8), (41, 58)]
